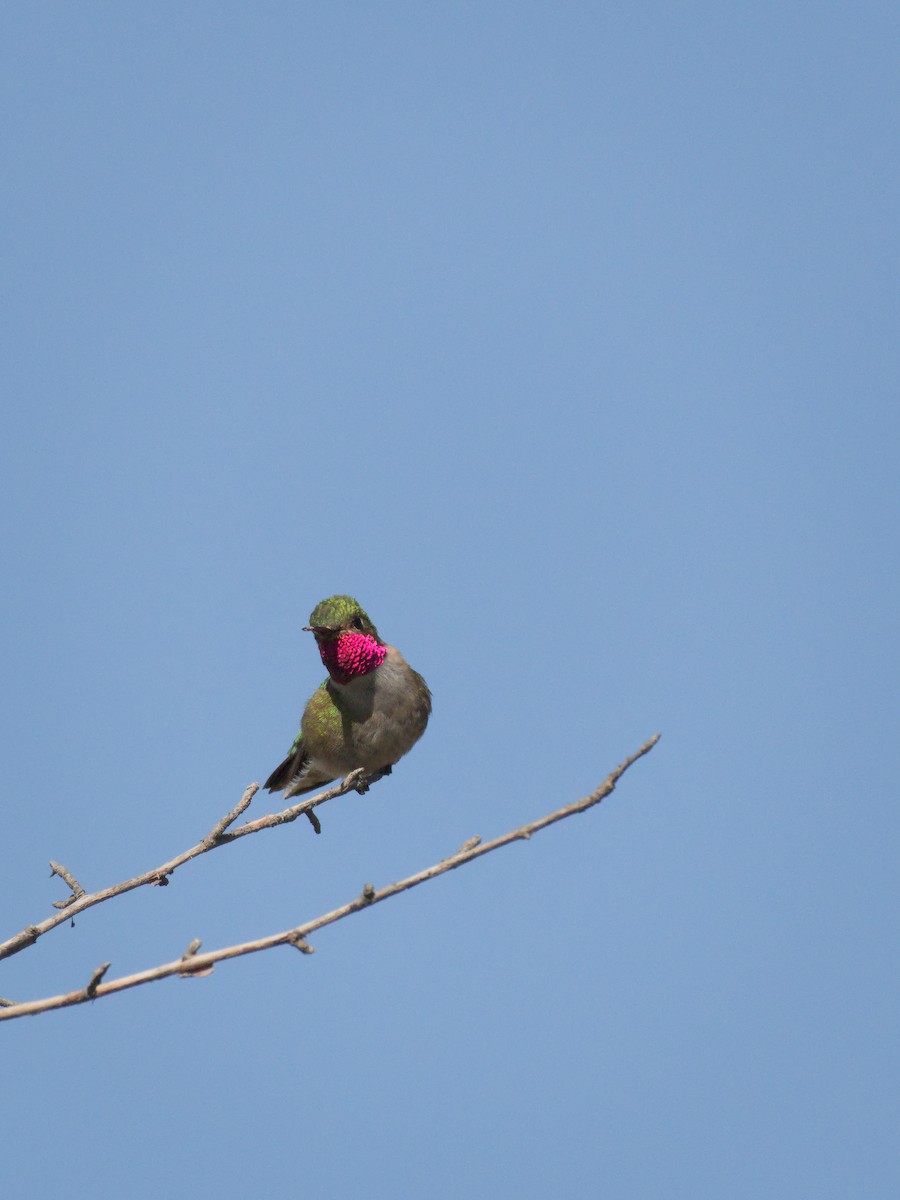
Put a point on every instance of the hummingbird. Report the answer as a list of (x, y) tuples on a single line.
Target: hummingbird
[(369, 712)]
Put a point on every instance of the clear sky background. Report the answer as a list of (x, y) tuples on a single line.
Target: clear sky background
[(565, 337)]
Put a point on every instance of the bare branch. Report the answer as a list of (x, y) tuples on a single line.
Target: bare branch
[(219, 835), (193, 963)]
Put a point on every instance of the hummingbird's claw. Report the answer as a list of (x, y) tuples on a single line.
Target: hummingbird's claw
[(366, 782)]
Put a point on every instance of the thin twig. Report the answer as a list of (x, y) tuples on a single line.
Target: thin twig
[(219, 835), (67, 877), (204, 963), (229, 819)]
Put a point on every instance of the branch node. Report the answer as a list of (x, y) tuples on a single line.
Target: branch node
[(94, 982), (467, 845), (299, 942), (190, 953)]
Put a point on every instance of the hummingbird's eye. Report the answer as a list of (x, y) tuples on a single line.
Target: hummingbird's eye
[(357, 623)]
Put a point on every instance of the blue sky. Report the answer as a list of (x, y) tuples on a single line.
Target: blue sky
[(563, 336)]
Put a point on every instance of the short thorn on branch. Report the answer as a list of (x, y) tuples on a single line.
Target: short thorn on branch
[(357, 781), (94, 982)]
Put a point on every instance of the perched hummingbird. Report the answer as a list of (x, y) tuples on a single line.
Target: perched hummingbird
[(369, 712)]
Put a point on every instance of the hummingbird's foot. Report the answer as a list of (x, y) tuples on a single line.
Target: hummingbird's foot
[(366, 782)]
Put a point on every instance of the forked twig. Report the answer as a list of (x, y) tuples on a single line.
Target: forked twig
[(219, 835), (192, 963)]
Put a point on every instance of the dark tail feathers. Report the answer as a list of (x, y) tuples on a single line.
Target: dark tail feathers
[(285, 772)]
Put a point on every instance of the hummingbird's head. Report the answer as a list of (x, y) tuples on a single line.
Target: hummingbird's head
[(348, 642), (337, 615)]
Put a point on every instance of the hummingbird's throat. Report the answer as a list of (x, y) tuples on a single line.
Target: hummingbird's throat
[(350, 655)]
